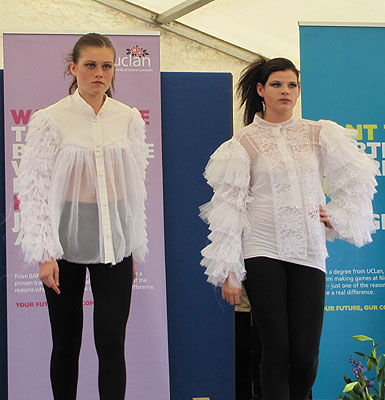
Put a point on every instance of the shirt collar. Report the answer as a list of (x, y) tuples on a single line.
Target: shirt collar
[(260, 121), (82, 103)]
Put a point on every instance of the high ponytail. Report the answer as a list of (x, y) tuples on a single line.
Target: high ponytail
[(247, 90), (258, 71)]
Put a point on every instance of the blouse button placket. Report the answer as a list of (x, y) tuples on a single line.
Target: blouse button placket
[(109, 256), (289, 164)]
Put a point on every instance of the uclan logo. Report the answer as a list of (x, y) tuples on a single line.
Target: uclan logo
[(131, 61)]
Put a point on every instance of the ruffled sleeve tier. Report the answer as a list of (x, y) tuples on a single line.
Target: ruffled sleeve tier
[(350, 185), (268, 190), (228, 173), (82, 184), (42, 144), (137, 144)]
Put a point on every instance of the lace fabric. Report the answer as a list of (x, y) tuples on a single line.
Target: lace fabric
[(297, 154)]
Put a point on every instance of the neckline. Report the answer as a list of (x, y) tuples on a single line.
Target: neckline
[(79, 99), (260, 121)]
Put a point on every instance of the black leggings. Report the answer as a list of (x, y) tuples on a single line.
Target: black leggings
[(287, 302), (111, 289)]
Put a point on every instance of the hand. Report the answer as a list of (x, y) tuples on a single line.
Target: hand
[(231, 294), (324, 217), (49, 274)]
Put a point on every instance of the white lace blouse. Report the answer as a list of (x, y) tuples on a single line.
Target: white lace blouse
[(82, 192), (267, 183)]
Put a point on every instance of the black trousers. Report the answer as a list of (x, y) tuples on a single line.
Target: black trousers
[(111, 289), (247, 358), (287, 302)]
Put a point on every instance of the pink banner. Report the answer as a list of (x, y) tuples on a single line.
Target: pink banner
[(34, 78)]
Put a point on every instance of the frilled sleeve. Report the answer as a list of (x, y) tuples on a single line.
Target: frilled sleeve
[(42, 145), (228, 173), (351, 185), (136, 138)]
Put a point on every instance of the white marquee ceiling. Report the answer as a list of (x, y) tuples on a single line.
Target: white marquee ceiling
[(270, 27)]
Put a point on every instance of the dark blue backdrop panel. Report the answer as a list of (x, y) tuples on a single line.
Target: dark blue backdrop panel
[(3, 308), (196, 118)]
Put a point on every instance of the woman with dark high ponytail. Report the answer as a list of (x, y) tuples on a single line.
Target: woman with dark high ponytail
[(258, 71), (82, 201), (269, 220)]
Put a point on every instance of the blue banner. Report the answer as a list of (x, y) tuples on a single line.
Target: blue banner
[(342, 74)]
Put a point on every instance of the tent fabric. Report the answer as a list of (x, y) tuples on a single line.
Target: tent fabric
[(270, 27)]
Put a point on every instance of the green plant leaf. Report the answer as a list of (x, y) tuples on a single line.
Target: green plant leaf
[(380, 375), (351, 396), (372, 361), (362, 379), (373, 353), (362, 338), (360, 354), (358, 390), (350, 386), (368, 395), (379, 359), (354, 396)]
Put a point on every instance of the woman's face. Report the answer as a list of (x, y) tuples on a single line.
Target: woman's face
[(280, 92), (94, 71)]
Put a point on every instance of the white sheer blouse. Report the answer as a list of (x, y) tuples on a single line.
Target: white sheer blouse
[(267, 183), (82, 191)]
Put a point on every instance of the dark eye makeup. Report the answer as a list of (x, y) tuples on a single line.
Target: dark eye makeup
[(277, 84), (93, 65)]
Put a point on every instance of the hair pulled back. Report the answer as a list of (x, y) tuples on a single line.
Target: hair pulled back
[(258, 71), (88, 40)]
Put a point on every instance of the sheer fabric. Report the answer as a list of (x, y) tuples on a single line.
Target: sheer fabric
[(81, 181), (267, 183)]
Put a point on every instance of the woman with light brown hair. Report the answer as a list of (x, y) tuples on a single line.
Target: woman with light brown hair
[(82, 196)]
